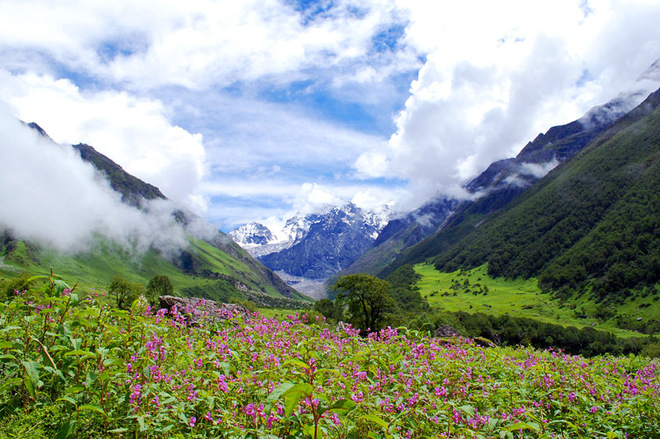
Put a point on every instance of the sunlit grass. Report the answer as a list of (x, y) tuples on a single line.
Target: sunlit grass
[(475, 291)]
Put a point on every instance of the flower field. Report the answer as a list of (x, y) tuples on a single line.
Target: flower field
[(77, 368)]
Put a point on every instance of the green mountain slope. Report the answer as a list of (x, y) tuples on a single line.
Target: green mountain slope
[(202, 270), (592, 225), (214, 268)]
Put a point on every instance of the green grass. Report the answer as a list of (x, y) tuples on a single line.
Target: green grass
[(94, 268), (475, 291), (75, 369)]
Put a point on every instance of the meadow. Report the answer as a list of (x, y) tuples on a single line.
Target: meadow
[(73, 367), (475, 291)]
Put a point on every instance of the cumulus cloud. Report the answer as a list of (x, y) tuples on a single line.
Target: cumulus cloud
[(51, 196), (142, 81), (495, 79), (149, 43)]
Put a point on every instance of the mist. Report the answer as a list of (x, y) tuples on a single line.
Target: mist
[(52, 197)]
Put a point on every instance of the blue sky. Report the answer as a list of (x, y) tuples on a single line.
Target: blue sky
[(255, 110)]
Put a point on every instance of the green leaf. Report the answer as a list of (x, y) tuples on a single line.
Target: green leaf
[(140, 420), (68, 399), (10, 328), (75, 389), (31, 376), (524, 426), (80, 352), (376, 420), (342, 407), (66, 430), (468, 409), (93, 408), (562, 421), (278, 391), (225, 367), (293, 395), (297, 363)]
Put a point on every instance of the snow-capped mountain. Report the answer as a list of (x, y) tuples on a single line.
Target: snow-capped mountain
[(314, 246), (252, 234)]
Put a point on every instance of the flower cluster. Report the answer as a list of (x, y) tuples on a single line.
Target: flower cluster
[(155, 375)]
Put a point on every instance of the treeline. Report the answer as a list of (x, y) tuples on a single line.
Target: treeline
[(370, 303), (512, 331)]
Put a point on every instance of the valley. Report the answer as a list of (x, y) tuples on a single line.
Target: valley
[(524, 304)]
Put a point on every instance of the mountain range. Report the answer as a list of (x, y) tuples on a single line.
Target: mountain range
[(576, 209), (311, 248), (409, 237), (504, 181)]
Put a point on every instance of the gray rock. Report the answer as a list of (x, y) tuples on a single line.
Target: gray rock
[(196, 310), (445, 331)]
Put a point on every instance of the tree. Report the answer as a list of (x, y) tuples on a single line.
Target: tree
[(159, 285), (368, 299), (329, 309), (123, 291)]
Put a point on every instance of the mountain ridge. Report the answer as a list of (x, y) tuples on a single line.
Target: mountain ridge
[(216, 261), (505, 180), (590, 227)]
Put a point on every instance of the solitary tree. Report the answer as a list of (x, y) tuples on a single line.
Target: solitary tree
[(123, 291), (368, 299), (159, 285)]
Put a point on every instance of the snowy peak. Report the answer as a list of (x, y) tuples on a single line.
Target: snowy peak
[(252, 234), (310, 248)]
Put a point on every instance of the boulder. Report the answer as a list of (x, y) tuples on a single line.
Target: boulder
[(196, 310), (445, 331)]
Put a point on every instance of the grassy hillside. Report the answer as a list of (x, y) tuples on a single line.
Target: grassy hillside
[(475, 291), (215, 268), (200, 270)]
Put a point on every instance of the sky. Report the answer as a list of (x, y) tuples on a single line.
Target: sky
[(254, 110)]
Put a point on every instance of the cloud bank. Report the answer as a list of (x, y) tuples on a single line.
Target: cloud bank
[(496, 78), (235, 108), (134, 132), (52, 197)]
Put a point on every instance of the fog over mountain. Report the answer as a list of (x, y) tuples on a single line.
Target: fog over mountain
[(51, 196)]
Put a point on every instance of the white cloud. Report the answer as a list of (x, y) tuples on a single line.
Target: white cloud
[(51, 196), (195, 44), (539, 170), (491, 76), (134, 132), (498, 73)]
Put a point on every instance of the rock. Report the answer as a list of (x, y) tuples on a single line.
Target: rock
[(445, 331), (196, 310)]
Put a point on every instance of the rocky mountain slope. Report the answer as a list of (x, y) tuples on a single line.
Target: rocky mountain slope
[(311, 248), (589, 229)]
